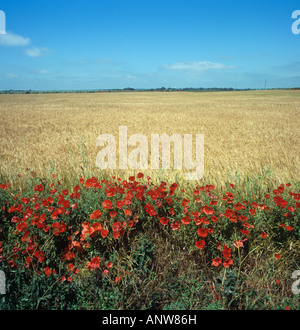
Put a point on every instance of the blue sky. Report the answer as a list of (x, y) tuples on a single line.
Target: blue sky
[(148, 44)]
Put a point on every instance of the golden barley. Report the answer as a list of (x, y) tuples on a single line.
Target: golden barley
[(245, 132)]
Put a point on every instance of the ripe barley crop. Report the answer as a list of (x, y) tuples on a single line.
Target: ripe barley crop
[(246, 133)]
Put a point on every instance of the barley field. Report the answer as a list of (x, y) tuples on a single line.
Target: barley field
[(246, 133)]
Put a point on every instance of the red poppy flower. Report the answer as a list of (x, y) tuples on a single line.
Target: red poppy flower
[(107, 204), (186, 220), (109, 264), (226, 251), (130, 223), (74, 206), (239, 206), (149, 209), (277, 256), (44, 203), (36, 206), (140, 175), (85, 224), (104, 232), (94, 263), (238, 243), (252, 211), (70, 267), (200, 244), (207, 210), (24, 237), (116, 234), (117, 226), (70, 255), (164, 221), (4, 186), (21, 226), (196, 192), (65, 192), (153, 194), (175, 225), (40, 255), (39, 187), (242, 218), (88, 182), (25, 200), (97, 226), (264, 235), (113, 214), (120, 204), (244, 231), (95, 215), (184, 202), (172, 189), (12, 263), (88, 231), (47, 271), (279, 201), (202, 232), (216, 262), (228, 213), (127, 212), (76, 188), (214, 218), (227, 262)]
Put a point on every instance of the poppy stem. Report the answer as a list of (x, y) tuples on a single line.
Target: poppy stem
[(239, 254), (205, 265)]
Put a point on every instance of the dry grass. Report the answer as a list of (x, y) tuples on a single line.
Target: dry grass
[(245, 132)]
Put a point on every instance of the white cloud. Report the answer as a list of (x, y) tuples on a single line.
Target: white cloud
[(11, 75), (197, 66), (37, 51), (12, 39), (42, 72)]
